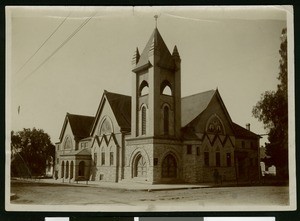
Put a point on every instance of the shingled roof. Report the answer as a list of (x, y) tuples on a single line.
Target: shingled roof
[(242, 132), (192, 106), (80, 125), (121, 106), (155, 43)]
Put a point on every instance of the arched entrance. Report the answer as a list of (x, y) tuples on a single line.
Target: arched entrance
[(71, 169), (169, 167), (62, 169), (140, 168), (67, 170)]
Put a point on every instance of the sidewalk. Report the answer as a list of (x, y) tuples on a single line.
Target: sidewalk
[(132, 186), (138, 186)]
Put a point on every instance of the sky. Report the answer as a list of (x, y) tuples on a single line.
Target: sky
[(61, 59)]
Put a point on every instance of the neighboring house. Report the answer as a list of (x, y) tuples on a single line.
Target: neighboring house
[(156, 136), (73, 155)]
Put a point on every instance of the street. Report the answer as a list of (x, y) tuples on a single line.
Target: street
[(30, 193)]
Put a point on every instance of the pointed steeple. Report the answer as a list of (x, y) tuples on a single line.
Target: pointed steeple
[(136, 57), (158, 69), (175, 53), (176, 57), (155, 47)]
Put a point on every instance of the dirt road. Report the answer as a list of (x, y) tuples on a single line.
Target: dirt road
[(57, 194)]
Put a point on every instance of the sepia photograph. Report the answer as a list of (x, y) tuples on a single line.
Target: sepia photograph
[(170, 108)]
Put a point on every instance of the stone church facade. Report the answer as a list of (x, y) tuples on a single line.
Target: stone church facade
[(155, 135)]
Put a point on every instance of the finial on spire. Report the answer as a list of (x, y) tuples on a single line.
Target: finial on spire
[(156, 17)]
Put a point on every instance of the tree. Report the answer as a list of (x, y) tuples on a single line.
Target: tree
[(30, 149), (272, 110)]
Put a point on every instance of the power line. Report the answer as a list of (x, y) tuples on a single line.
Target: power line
[(43, 43), (62, 44)]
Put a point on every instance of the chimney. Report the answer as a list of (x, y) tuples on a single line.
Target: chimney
[(248, 126)]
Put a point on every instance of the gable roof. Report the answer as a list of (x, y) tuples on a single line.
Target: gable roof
[(242, 132), (80, 125), (193, 105), (121, 106)]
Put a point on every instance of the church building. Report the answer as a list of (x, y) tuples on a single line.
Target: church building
[(157, 136)]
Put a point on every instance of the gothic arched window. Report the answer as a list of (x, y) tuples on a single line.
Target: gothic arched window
[(62, 169), (103, 156), (144, 120), (68, 143), (106, 127), (165, 88), (67, 169), (169, 167), (166, 120), (144, 88), (71, 170), (215, 126)]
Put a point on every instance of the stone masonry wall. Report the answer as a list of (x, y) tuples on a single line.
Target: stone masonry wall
[(106, 173), (131, 152), (226, 173), (160, 152)]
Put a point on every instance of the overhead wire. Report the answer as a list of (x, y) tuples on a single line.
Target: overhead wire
[(55, 30), (62, 44)]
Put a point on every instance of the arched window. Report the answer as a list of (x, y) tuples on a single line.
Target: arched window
[(111, 156), (81, 168), (206, 158), (167, 91), (102, 156), (215, 126), (71, 169), (165, 88), (106, 127), (218, 159), (62, 169), (166, 120), (67, 169), (144, 88), (68, 143), (169, 167), (228, 159), (144, 120)]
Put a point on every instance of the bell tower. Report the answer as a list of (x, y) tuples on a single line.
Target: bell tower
[(156, 94)]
